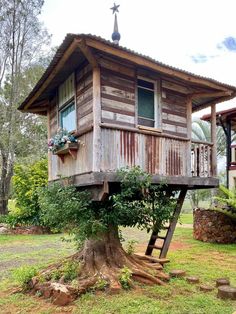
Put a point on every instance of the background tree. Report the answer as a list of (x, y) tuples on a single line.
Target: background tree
[(201, 130), (95, 226), (22, 48), (26, 181)]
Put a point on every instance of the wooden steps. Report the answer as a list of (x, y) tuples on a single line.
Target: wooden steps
[(166, 239)]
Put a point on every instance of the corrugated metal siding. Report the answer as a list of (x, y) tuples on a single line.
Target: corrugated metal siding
[(154, 154)]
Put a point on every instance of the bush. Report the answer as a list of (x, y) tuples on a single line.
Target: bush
[(226, 202), (125, 278), (26, 181), (137, 204), (24, 274)]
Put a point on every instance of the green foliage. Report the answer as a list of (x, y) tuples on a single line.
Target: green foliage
[(137, 204), (130, 247), (125, 278), (24, 274), (26, 181), (227, 201), (69, 271), (101, 284), (195, 196)]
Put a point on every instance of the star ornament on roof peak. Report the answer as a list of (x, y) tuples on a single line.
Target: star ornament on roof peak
[(115, 8)]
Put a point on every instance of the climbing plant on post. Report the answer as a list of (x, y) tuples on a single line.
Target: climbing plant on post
[(95, 226)]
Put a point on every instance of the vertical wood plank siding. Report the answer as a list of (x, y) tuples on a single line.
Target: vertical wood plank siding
[(156, 155), (71, 166), (84, 96), (53, 124)]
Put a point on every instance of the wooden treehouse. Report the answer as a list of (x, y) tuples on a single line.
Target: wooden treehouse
[(126, 109)]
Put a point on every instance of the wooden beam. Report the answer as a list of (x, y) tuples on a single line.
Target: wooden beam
[(173, 223), (49, 153), (145, 62), (215, 101), (56, 69), (212, 94), (213, 140), (96, 118), (88, 53), (189, 132)]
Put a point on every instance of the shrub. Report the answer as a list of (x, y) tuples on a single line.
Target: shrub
[(125, 278), (130, 246), (26, 181), (24, 274), (226, 202)]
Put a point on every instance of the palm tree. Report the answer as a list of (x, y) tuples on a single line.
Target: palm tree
[(201, 130)]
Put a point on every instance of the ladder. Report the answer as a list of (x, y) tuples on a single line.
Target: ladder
[(164, 247)]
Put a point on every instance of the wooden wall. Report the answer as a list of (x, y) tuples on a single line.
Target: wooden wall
[(117, 93), (84, 97), (52, 118), (174, 110)]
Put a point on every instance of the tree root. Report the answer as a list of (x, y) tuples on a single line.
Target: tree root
[(100, 265)]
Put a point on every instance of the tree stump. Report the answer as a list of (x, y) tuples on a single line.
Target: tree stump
[(192, 279), (177, 273), (222, 282), (206, 288), (226, 292)]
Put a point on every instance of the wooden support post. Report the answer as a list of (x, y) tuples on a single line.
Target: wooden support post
[(49, 153), (189, 134), (96, 119), (213, 139), (173, 223)]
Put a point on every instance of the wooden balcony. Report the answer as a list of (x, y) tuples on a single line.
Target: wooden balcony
[(201, 159)]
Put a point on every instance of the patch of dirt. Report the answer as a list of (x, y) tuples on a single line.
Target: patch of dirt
[(174, 246), (43, 306)]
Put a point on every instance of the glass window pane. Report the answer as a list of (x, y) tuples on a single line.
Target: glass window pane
[(67, 118), (145, 103)]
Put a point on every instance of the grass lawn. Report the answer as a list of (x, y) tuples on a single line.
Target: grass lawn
[(208, 261)]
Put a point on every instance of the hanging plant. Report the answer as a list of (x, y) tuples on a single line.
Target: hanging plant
[(60, 139)]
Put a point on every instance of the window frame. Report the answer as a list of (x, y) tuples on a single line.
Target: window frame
[(67, 104), (157, 109), (62, 107)]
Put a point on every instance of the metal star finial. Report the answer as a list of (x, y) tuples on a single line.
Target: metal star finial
[(115, 8)]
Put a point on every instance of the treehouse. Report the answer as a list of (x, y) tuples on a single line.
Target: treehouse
[(125, 110)]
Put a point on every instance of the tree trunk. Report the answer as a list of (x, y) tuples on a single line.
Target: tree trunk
[(5, 181), (104, 259)]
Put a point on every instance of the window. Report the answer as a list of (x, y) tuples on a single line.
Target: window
[(147, 103), (68, 118), (66, 99)]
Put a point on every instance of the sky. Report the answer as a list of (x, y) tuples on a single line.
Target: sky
[(197, 36)]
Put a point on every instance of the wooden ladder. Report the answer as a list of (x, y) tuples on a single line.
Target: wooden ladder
[(169, 230)]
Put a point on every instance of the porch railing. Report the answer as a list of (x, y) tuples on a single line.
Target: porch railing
[(201, 158)]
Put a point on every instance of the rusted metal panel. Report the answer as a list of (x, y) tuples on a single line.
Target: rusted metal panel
[(154, 154)]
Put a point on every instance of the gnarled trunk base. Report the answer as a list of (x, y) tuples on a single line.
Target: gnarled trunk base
[(103, 264)]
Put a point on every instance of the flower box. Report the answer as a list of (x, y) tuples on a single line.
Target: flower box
[(67, 149)]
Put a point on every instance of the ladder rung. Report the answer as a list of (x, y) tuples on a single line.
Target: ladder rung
[(161, 237), (157, 247)]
